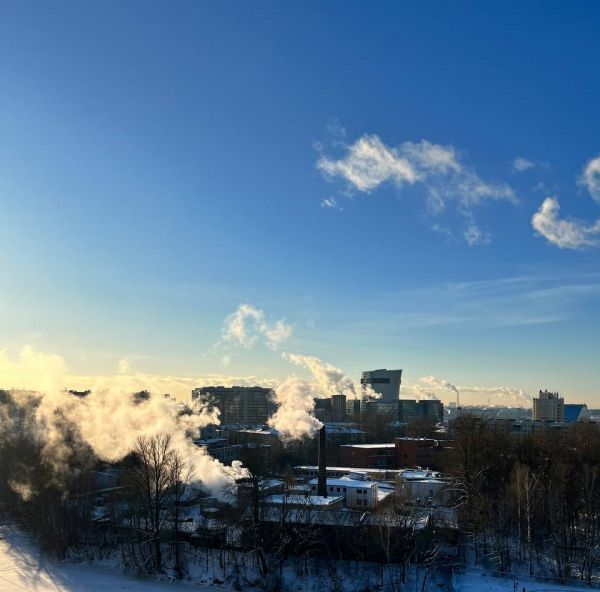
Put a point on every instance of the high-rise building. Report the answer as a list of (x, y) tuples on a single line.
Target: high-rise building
[(408, 409), (385, 382), (432, 409), (353, 409), (548, 407), (239, 404), (338, 407)]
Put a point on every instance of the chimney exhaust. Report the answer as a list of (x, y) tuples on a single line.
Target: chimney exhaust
[(322, 473)]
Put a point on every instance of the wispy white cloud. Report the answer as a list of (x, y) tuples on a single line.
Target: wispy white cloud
[(590, 178), (522, 164), (564, 233), (571, 233), (369, 163), (330, 202), (475, 236), (532, 298), (248, 323)]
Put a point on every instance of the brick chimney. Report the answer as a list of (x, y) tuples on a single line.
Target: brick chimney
[(322, 474)]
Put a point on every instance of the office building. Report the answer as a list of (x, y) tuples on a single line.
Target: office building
[(338, 407), (353, 409), (375, 456), (576, 412), (385, 382), (432, 409), (548, 407), (239, 404)]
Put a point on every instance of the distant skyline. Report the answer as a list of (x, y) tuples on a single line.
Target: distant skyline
[(200, 194)]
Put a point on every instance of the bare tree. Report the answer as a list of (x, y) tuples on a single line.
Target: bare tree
[(153, 479), (180, 476)]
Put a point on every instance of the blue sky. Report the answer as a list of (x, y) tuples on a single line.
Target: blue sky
[(159, 166)]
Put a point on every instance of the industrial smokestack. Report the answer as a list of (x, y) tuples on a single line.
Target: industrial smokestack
[(322, 474)]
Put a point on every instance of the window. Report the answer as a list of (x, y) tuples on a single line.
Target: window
[(338, 489), (359, 502)]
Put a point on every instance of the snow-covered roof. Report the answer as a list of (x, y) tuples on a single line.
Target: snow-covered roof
[(347, 482), (368, 445), (381, 472), (420, 475), (306, 500)]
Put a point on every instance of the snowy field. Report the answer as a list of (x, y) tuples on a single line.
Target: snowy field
[(476, 581), (23, 567)]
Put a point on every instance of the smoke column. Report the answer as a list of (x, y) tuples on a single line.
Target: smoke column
[(294, 417)]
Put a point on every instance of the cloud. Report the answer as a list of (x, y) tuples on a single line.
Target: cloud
[(248, 323), (473, 235), (330, 202), (571, 233), (369, 163), (590, 178), (522, 164), (564, 233)]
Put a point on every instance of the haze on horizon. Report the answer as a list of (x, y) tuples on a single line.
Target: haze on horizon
[(217, 196)]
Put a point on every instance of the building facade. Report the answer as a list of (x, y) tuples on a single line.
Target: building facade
[(382, 381), (416, 452), (548, 406), (356, 490), (376, 456), (239, 404), (338, 407)]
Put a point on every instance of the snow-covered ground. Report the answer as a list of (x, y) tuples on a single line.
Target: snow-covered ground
[(23, 567), (474, 580)]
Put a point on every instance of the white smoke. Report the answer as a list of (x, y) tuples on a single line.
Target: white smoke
[(330, 380), (419, 392), (501, 395), (440, 383), (109, 419), (294, 417)]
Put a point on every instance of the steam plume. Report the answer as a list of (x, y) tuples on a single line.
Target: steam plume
[(330, 380), (107, 421), (293, 418)]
